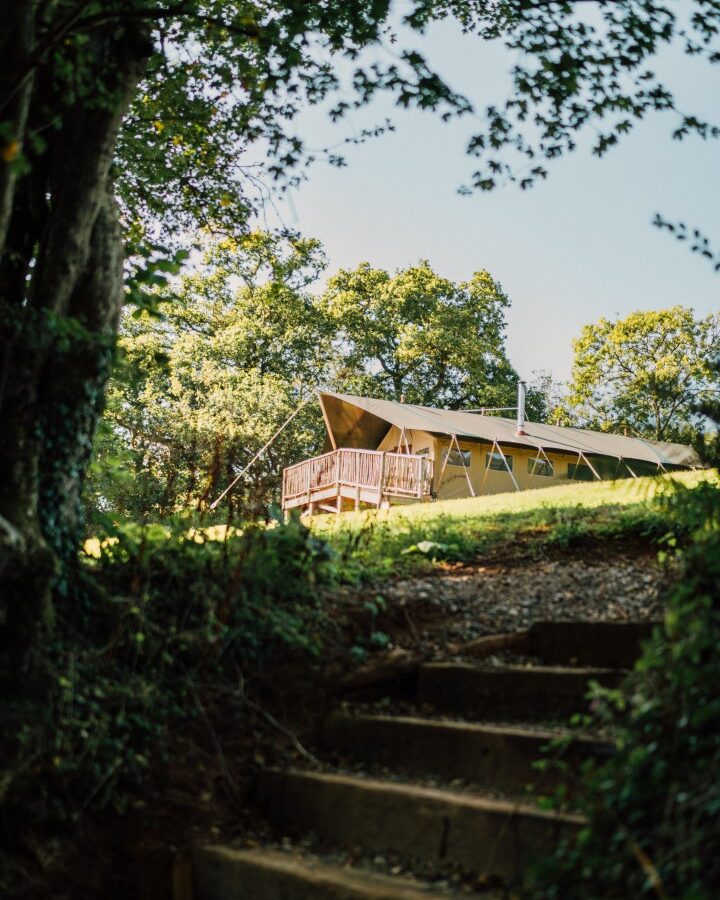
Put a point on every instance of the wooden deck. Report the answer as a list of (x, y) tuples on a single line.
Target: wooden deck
[(349, 479)]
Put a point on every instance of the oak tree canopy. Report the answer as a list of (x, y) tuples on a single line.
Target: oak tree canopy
[(648, 374)]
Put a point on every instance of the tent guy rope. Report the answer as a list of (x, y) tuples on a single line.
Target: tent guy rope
[(215, 503)]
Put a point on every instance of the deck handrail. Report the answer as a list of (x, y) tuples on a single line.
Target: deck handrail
[(393, 474)]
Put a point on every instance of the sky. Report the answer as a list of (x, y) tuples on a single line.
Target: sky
[(576, 247)]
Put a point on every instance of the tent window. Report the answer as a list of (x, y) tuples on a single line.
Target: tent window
[(496, 461), (455, 458), (540, 466), (579, 472), (423, 451)]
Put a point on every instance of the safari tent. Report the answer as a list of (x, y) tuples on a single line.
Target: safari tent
[(381, 452)]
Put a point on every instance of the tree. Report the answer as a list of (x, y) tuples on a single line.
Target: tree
[(553, 394), (647, 373), (417, 336), (127, 121), (199, 390)]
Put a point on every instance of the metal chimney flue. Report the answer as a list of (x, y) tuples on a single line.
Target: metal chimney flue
[(521, 407)]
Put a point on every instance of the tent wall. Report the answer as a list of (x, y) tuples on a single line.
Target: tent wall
[(418, 441), (566, 468), (454, 481)]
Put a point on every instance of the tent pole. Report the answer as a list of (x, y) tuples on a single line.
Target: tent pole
[(590, 466), (617, 468), (532, 472), (578, 463), (539, 449), (260, 452), (465, 468), (327, 422), (624, 462), (482, 485), (660, 462), (547, 458), (442, 471), (517, 487)]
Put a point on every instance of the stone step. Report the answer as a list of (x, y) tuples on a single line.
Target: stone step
[(611, 645), (223, 873), (499, 693), (501, 757), (491, 837)]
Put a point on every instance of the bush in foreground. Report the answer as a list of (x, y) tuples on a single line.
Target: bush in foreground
[(161, 615), (654, 808)]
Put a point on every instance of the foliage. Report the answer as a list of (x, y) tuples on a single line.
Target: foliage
[(227, 75), (221, 92), (417, 336), (124, 125), (694, 238), (580, 66), (198, 391), (646, 373), (709, 442), (186, 98), (553, 397), (164, 608), (654, 808)]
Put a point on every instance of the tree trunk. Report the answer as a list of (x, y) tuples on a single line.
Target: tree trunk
[(60, 297), (72, 386), (16, 43)]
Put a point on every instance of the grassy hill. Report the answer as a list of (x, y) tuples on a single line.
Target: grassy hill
[(376, 543)]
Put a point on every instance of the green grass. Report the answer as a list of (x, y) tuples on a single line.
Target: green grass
[(376, 544)]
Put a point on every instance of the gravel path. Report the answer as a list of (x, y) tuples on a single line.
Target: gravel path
[(457, 606)]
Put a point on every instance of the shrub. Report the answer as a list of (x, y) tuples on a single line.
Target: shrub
[(654, 808), (156, 611)]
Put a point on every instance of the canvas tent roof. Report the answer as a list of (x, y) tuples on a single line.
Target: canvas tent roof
[(362, 422)]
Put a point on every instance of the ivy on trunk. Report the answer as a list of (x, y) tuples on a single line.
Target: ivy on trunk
[(61, 291)]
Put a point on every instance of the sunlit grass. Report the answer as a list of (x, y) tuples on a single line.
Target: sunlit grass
[(380, 542), (587, 495)]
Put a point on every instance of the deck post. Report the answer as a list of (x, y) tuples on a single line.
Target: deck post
[(382, 479)]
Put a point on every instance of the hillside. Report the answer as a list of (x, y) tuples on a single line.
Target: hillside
[(381, 543)]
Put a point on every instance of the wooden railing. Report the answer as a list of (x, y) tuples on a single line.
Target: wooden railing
[(407, 475), (390, 474)]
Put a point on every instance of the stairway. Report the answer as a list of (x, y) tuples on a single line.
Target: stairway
[(448, 786)]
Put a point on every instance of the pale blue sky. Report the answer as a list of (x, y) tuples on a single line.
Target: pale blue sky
[(572, 249)]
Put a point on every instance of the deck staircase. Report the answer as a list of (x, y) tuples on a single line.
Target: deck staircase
[(482, 724)]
